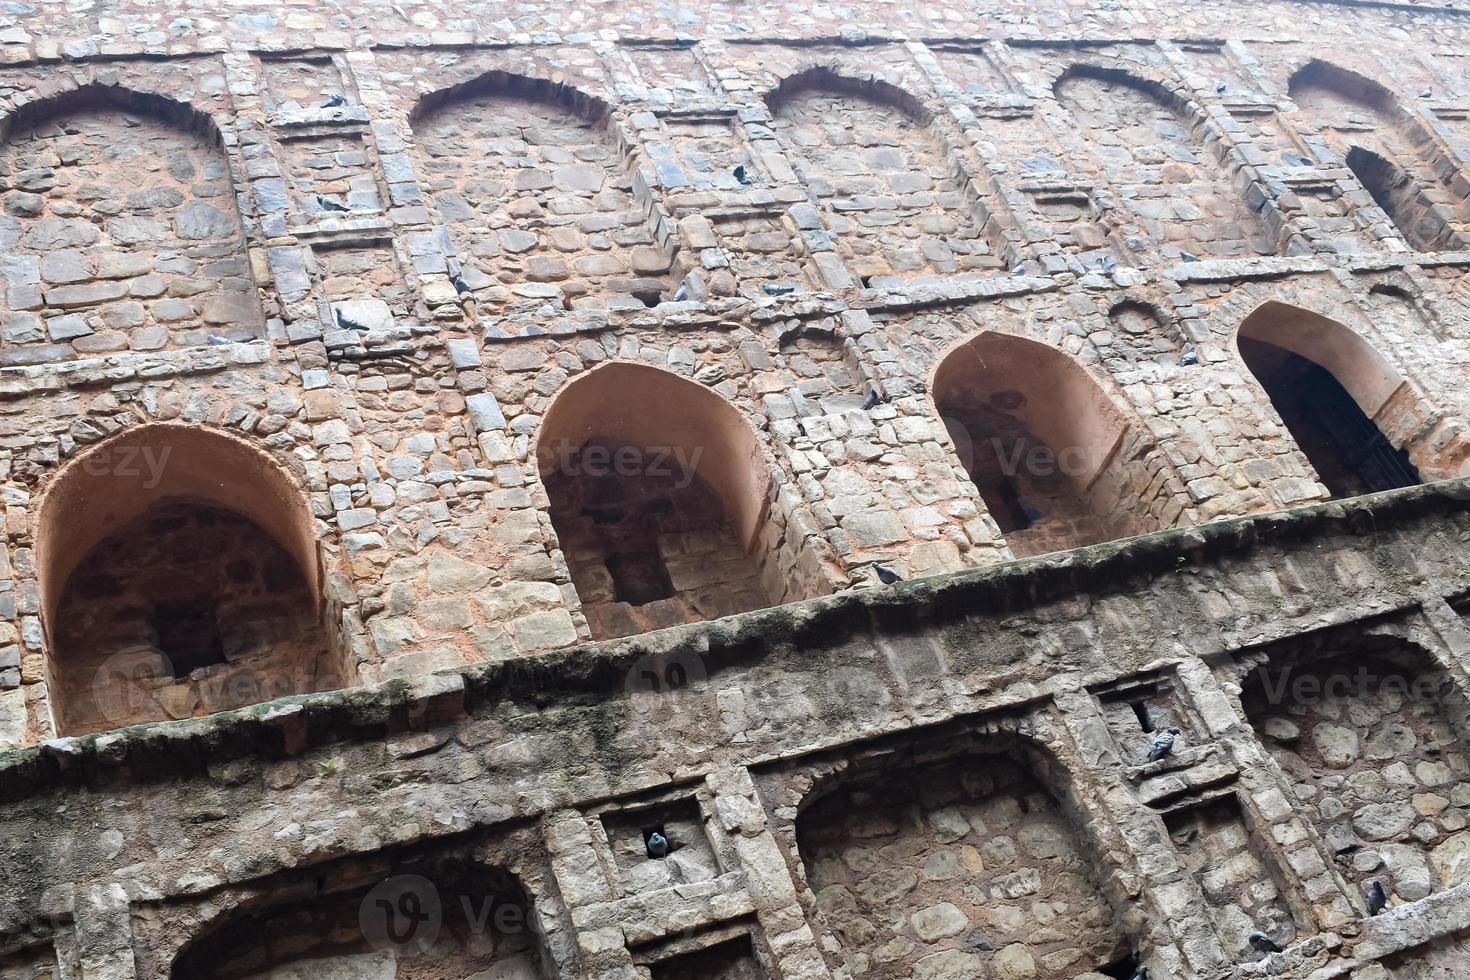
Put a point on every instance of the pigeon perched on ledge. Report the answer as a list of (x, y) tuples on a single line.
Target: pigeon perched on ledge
[(1163, 744), (327, 204), (334, 102), (1262, 943), (658, 845), (871, 402), (1377, 898), (886, 575)]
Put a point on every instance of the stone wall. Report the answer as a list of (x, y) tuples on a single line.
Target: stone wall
[(312, 317)]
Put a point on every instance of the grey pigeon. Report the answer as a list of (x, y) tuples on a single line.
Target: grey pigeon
[(872, 400), (460, 286), (1163, 744), (658, 845), (1262, 943), (346, 322), (682, 293), (1018, 268), (1142, 973), (1377, 898), (743, 175), (1427, 93), (327, 204), (334, 101), (1188, 257), (886, 575), (1189, 357), (1222, 87), (218, 340), (777, 288)]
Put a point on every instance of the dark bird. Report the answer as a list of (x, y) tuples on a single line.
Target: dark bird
[(327, 204), (334, 101), (1222, 87), (1031, 513), (346, 322), (1262, 943), (743, 175), (1188, 257), (1427, 93), (777, 288), (682, 293), (872, 400), (886, 575), (1377, 898), (1163, 744), (1142, 973), (460, 286), (1189, 358), (657, 844)]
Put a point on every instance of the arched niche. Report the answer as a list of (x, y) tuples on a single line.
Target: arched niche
[(1348, 408), (893, 198), (968, 858), (1173, 187), (659, 494), (1387, 149), (534, 184), (122, 230), (1042, 442), (412, 920), (179, 575)]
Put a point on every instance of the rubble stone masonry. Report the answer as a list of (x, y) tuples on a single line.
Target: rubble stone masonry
[(735, 490)]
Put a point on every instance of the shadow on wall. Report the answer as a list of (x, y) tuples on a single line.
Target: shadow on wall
[(179, 576)]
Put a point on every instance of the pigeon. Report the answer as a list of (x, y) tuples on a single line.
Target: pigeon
[(743, 175), (460, 286), (1189, 358), (1018, 268), (334, 101), (1427, 93), (657, 844), (346, 322), (328, 204), (1188, 257), (777, 288), (682, 293), (1261, 942), (1377, 898), (872, 400), (886, 575), (1222, 87), (218, 340), (1142, 973), (1031, 513), (1163, 744)]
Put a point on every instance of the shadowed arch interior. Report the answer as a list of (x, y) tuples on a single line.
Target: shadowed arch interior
[(659, 495), (179, 575), (1042, 442), (1335, 393)]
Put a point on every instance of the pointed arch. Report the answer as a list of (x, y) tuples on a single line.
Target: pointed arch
[(179, 574), (1053, 457), (130, 194), (1175, 186), (1392, 155), (535, 185), (660, 498), (1349, 408), (894, 198)]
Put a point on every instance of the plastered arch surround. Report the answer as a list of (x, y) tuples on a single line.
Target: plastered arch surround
[(120, 478)]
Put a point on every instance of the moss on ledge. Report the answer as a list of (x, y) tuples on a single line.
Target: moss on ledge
[(596, 671)]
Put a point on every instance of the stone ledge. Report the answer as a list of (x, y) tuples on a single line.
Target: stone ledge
[(291, 725)]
